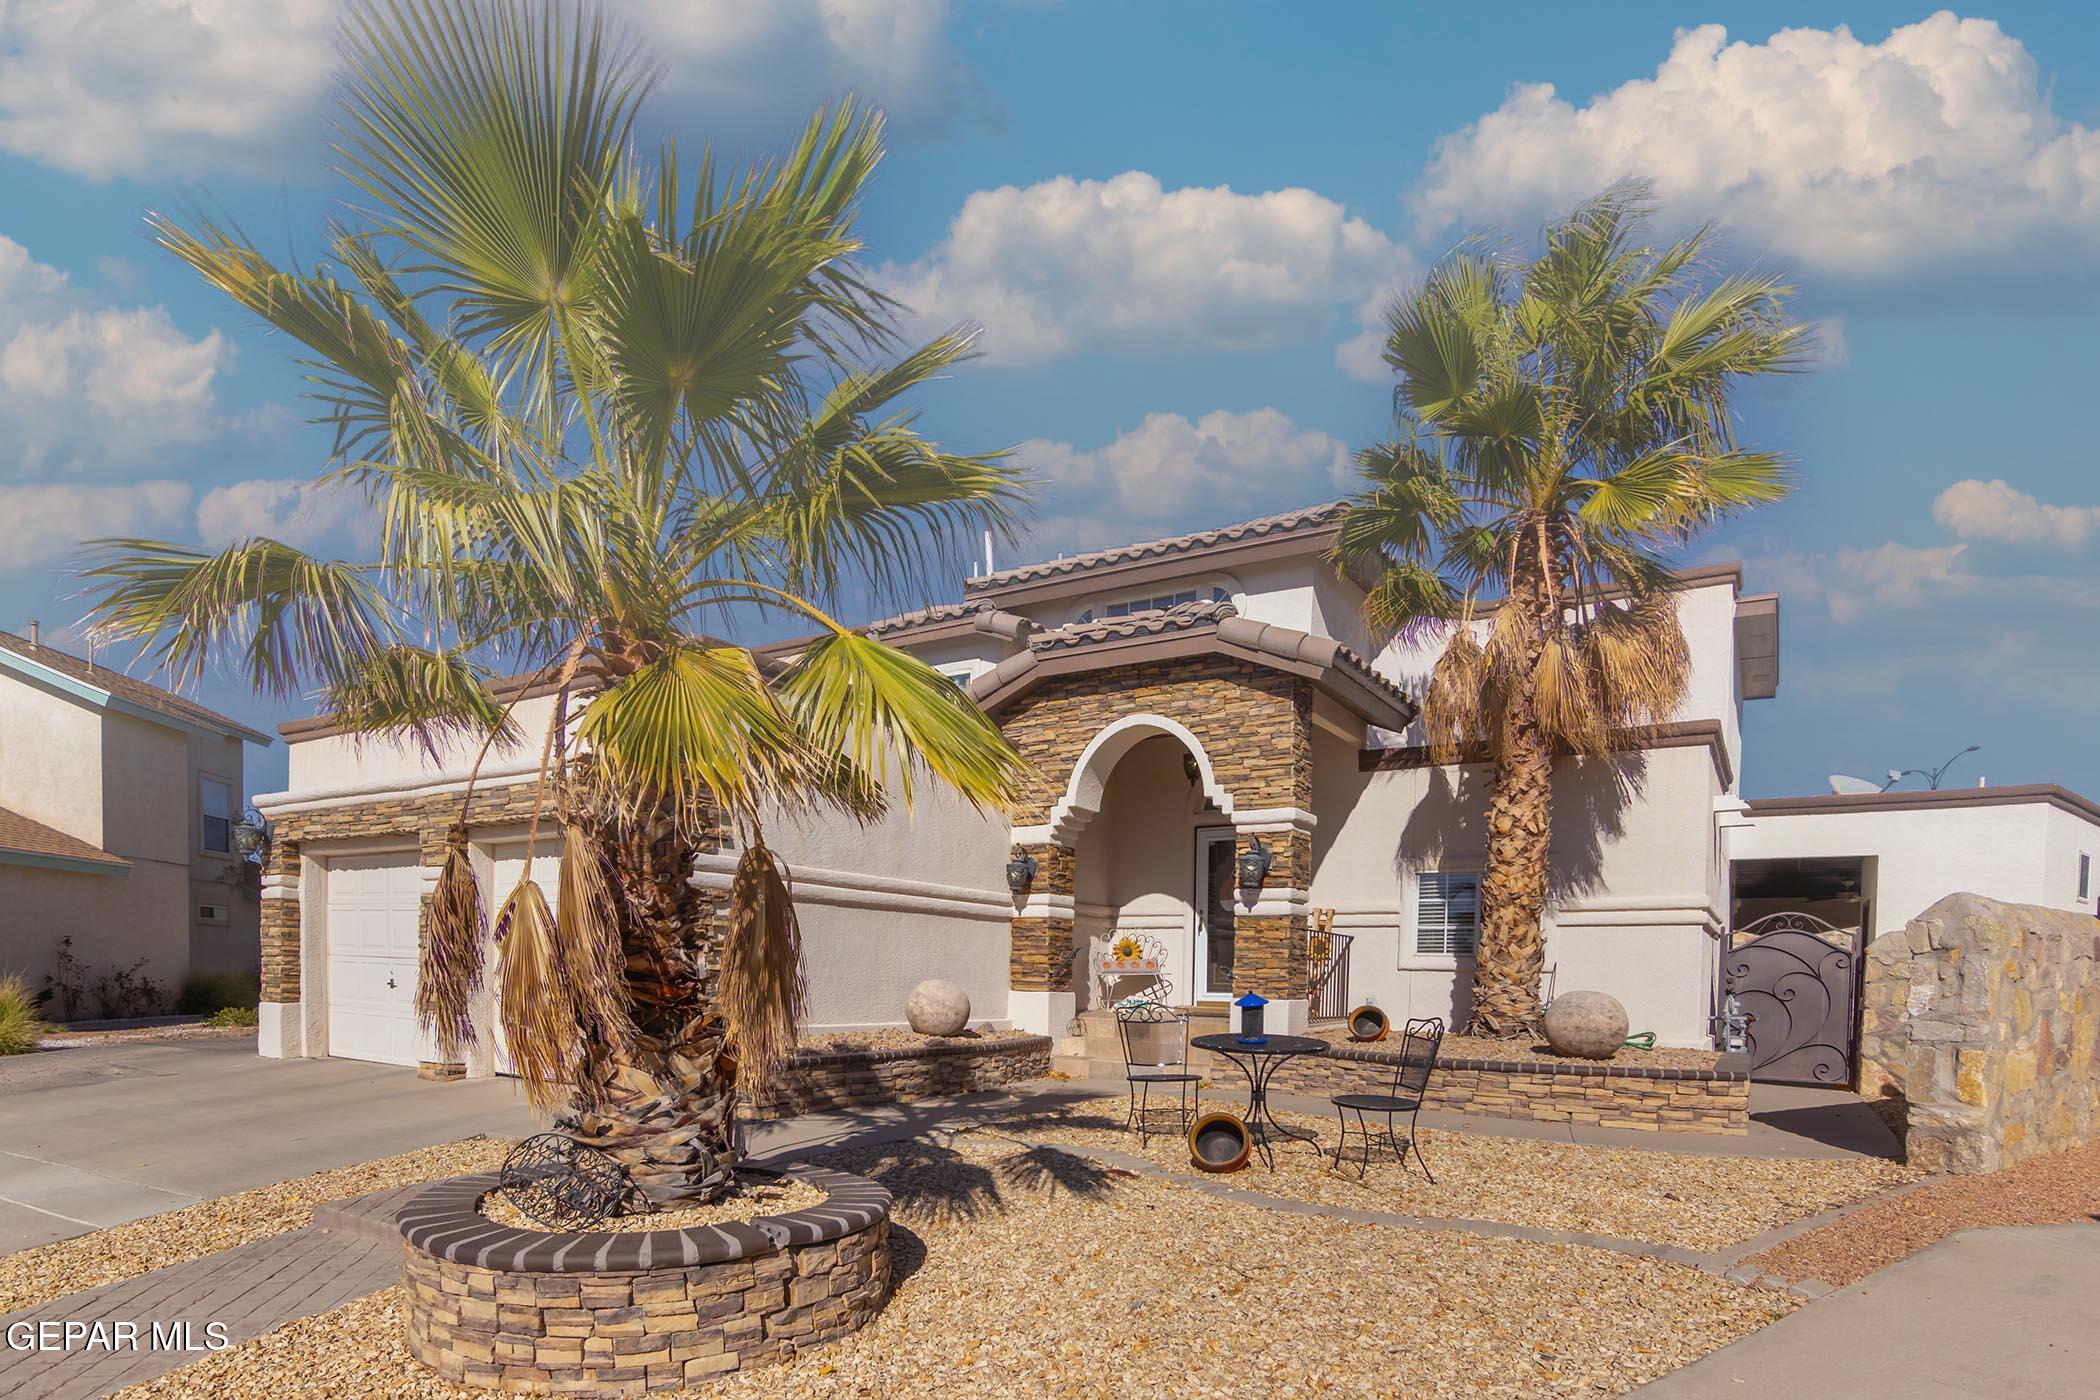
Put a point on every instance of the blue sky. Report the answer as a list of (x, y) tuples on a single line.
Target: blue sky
[(1170, 219)]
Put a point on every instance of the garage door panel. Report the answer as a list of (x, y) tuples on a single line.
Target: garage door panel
[(374, 903)]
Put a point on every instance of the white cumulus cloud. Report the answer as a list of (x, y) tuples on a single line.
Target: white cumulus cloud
[(2002, 514), (1853, 582), (1838, 155), (303, 514), (127, 87), (1068, 265), (1171, 473), (43, 523)]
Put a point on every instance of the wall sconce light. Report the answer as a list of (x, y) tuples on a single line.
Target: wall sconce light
[(251, 836), (1254, 864), (1020, 872)]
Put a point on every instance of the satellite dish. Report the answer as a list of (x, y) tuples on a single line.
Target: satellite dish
[(1846, 783)]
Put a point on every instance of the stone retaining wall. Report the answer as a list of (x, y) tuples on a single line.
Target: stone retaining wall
[(1978, 1024), (821, 1081), (1603, 1094), (615, 1314)]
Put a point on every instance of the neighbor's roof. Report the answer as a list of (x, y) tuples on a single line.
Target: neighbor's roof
[(1931, 800), (1288, 526), (1190, 630), (27, 842), (132, 693)]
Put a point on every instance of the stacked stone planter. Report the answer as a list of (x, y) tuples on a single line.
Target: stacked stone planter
[(603, 1313), (1600, 1093), (818, 1081)]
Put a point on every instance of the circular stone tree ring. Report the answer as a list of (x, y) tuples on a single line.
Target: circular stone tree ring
[(1587, 1025), (937, 1008), (560, 1182)]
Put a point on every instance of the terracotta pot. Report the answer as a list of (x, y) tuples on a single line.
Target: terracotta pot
[(1218, 1142), (1369, 1023)]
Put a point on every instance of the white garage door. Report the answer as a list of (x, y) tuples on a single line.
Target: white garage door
[(372, 910), (503, 878)]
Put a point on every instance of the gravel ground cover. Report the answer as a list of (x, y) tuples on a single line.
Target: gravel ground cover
[(748, 1201), (53, 1270), (1474, 1047), (1031, 1271), (2063, 1186), (898, 1038), (76, 1040), (1634, 1193)]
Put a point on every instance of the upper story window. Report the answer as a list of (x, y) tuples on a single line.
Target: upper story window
[(1159, 602), (215, 806), (2085, 877), (1447, 915)]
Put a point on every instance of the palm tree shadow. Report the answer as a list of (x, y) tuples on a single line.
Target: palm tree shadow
[(932, 1183)]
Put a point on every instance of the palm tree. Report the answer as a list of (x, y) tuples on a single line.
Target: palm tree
[(1563, 424), (596, 404)]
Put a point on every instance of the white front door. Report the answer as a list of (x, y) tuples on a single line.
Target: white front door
[(1215, 880), (508, 868), (373, 906)]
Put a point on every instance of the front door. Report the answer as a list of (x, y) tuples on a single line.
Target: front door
[(1215, 886)]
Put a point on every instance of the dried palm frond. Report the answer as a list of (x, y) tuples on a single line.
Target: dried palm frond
[(1564, 695), (1452, 704), (587, 947), (450, 970), (1640, 660), (539, 1022), (762, 987)]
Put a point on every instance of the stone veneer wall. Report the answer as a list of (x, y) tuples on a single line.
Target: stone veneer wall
[(1255, 725), (821, 1081), (1979, 1021), (658, 1310), (1601, 1095)]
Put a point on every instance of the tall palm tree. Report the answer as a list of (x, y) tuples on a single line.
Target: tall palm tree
[(597, 403), (1564, 424)]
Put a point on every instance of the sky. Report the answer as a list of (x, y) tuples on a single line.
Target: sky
[(1175, 223)]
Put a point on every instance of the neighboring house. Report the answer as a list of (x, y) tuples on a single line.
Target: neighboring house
[(1180, 705), (117, 805)]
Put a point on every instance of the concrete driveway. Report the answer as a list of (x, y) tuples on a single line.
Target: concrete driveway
[(96, 1136)]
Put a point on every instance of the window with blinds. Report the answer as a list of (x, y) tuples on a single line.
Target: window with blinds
[(1447, 915)]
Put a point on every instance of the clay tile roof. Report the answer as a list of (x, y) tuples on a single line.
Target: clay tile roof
[(1289, 522), (138, 692), (1137, 624), (920, 617), (19, 834)]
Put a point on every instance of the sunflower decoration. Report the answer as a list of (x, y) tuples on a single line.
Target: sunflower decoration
[(1127, 949), (1319, 947)]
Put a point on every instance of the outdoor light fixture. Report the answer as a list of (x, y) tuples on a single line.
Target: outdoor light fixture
[(1254, 864), (251, 835), (1251, 1014), (1020, 872)]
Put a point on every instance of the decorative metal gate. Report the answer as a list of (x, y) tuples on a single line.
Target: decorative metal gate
[(1799, 977)]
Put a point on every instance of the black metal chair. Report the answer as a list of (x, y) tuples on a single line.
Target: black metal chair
[(1418, 1050), (1156, 1051)]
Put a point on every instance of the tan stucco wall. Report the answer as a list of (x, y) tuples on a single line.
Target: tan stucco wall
[(114, 920), (51, 759)]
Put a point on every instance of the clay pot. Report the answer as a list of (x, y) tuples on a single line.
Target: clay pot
[(1218, 1142), (1369, 1023)]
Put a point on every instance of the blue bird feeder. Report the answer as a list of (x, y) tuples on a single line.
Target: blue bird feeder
[(1250, 1007)]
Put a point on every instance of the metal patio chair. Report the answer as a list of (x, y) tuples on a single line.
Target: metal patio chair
[(1156, 1052), (1419, 1043)]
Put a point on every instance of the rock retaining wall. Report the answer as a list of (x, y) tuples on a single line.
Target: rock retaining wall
[(617, 1314), (1601, 1094), (822, 1081), (1978, 1024)]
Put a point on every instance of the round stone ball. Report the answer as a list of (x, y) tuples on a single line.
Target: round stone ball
[(1587, 1025), (937, 1008)]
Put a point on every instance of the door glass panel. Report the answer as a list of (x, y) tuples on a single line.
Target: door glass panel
[(1217, 916)]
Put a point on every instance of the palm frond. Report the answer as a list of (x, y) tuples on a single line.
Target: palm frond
[(587, 944), (449, 963), (537, 1010), (405, 691), (762, 987)]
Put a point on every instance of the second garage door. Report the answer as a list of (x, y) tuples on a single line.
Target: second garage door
[(373, 902)]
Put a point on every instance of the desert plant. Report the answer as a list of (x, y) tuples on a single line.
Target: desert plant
[(205, 992), (20, 1026), (1564, 422), (598, 402), (231, 1016)]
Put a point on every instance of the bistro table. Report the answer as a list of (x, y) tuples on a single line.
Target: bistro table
[(1258, 1063)]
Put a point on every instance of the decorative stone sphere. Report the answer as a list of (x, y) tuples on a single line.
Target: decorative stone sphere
[(1587, 1025), (937, 1008)]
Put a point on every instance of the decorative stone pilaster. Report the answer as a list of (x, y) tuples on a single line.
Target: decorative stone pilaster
[(1039, 952), (1269, 925)]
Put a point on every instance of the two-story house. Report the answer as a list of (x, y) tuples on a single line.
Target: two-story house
[(1217, 766), (117, 806)]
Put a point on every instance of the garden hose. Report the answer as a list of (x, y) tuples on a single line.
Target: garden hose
[(1644, 1041)]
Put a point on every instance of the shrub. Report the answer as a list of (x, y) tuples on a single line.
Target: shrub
[(217, 991), (19, 1025), (231, 1016)]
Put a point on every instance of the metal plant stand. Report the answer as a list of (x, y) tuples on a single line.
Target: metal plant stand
[(1260, 1063)]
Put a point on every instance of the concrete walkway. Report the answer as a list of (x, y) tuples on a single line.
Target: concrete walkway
[(2006, 1313)]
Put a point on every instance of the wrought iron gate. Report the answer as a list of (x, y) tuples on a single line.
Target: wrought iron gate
[(1799, 977)]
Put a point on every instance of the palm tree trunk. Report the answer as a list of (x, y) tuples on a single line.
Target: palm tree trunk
[(1512, 952), (665, 1106)]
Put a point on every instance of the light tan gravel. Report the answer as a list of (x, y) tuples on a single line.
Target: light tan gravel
[(1030, 1272), (125, 1251), (1664, 1197), (1526, 1049), (899, 1038), (746, 1202), (79, 1040)]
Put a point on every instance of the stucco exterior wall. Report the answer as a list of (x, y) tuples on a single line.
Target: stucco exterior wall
[(51, 759), (323, 762), (2025, 853)]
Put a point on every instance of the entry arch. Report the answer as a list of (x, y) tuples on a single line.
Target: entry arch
[(1084, 791)]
